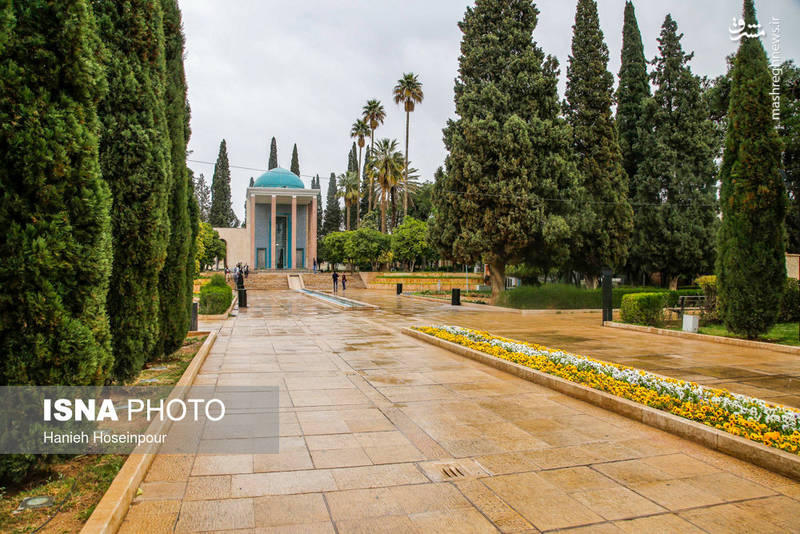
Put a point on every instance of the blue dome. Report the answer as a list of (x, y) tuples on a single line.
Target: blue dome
[(279, 177)]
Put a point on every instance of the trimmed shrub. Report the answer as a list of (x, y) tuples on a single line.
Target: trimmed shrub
[(709, 286), (215, 299), (644, 308), (790, 302), (218, 281)]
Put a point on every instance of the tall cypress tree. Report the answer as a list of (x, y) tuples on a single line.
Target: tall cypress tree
[(352, 166), (273, 155), (318, 187), (295, 166), (194, 228), (789, 130), (221, 213), (751, 268), (172, 285), (365, 192), (54, 204), (633, 90), (505, 194), (135, 158), (606, 216), (674, 190), (333, 212)]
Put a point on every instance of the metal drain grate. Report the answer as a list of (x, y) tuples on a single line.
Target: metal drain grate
[(452, 471)]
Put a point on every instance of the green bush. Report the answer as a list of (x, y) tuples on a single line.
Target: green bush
[(644, 308), (218, 280), (709, 286), (215, 299), (570, 297), (790, 302)]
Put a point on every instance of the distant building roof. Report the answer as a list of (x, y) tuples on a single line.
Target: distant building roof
[(279, 177)]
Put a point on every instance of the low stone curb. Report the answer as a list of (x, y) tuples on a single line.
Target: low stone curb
[(776, 460), (775, 347), (220, 316), (112, 508)]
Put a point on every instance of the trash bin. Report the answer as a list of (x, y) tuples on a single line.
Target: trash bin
[(691, 323), (242, 297), (399, 289), (455, 297)]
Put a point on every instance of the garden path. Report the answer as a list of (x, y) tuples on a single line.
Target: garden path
[(383, 433)]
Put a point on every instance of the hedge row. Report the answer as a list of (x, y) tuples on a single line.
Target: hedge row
[(216, 296), (644, 308), (570, 297)]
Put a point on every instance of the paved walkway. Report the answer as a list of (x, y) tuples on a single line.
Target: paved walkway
[(383, 433)]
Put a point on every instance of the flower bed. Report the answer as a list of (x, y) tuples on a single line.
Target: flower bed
[(754, 419)]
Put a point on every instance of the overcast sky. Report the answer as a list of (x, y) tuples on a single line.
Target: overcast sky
[(302, 70)]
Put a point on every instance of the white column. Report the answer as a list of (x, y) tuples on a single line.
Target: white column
[(312, 231), (251, 225)]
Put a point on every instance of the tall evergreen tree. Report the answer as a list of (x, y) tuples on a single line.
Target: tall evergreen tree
[(504, 195), (333, 212), (751, 269), (352, 166), (202, 195), (54, 204), (273, 155), (674, 190), (318, 187), (295, 166), (173, 278), (194, 228), (606, 216), (789, 130), (364, 204), (221, 213), (250, 184), (135, 159), (633, 90)]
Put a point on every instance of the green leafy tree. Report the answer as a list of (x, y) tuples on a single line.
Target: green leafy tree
[(789, 130), (606, 216), (209, 247), (333, 212), (366, 246), (273, 155), (408, 90), (422, 202), (332, 247), (203, 195), (173, 279), (221, 213), (410, 242), (751, 268), (135, 151), (54, 205), (295, 166), (505, 195), (374, 115), (674, 191), (633, 90)]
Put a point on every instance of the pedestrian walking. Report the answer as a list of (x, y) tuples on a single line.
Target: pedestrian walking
[(344, 281), (315, 265), (246, 270), (227, 274), (335, 277)]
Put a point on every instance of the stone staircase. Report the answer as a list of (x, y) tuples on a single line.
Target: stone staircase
[(323, 281), (261, 280)]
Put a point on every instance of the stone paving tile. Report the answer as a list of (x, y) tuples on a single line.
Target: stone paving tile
[(354, 391)]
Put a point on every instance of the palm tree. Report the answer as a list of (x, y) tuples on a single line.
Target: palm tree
[(348, 190), (401, 189), (408, 91), (359, 131), (374, 115), (387, 167)]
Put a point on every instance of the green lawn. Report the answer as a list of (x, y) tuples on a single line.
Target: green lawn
[(783, 333)]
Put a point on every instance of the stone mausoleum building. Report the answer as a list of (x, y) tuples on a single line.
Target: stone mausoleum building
[(281, 227)]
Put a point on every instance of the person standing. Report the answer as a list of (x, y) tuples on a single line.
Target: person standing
[(315, 265), (335, 277), (246, 270), (344, 281)]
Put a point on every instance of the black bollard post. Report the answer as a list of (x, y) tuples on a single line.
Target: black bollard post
[(608, 309), (399, 289), (455, 297), (193, 326)]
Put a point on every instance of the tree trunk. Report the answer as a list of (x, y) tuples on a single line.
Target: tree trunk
[(497, 273), (383, 211), (591, 281), (347, 214), (405, 190), (673, 283), (371, 191), (394, 207)]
